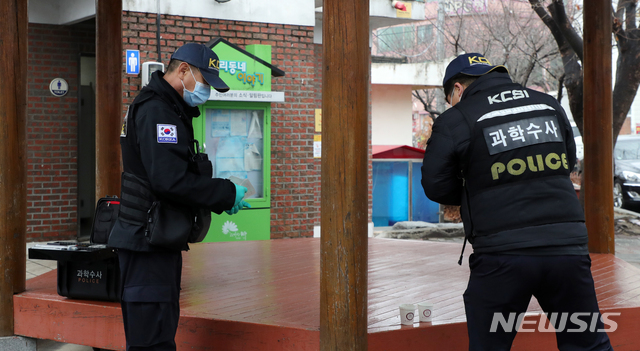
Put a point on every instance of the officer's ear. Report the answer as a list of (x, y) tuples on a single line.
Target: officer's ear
[(456, 93), (183, 69)]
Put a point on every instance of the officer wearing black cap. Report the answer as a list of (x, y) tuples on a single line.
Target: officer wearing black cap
[(504, 154), (168, 194)]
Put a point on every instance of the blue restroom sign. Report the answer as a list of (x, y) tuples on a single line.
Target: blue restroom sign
[(133, 61), (59, 87)]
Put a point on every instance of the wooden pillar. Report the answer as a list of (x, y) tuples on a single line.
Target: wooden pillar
[(13, 156), (598, 130), (109, 58), (345, 102)]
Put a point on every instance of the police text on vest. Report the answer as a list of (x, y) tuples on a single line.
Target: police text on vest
[(517, 166)]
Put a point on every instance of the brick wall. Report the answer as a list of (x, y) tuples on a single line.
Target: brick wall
[(52, 121), (294, 174), (626, 127), (52, 129)]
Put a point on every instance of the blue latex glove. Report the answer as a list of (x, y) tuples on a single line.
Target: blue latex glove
[(240, 191), (237, 205), (237, 208)]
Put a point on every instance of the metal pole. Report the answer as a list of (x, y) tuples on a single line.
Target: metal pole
[(108, 96), (344, 204), (598, 130), (13, 160)]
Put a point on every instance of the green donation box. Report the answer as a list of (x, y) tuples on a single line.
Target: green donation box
[(234, 129)]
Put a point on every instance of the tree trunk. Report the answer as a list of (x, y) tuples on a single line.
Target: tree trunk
[(627, 81)]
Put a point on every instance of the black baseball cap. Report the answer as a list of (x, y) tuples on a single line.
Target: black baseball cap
[(200, 56), (472, 64)]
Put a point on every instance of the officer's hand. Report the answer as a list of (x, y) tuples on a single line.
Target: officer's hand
[(232, 211), (236, 209), (240, 191)]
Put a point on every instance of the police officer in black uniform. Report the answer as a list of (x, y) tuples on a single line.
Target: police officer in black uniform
[(504, 154), (166, 185)]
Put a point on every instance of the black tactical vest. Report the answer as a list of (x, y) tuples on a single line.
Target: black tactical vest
[(135, 190), (517, 187)]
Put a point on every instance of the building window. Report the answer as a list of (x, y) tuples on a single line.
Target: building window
[(395, 39), (425, 34)]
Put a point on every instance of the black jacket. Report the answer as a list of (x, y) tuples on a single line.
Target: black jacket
[(157, 144), (504, 154)]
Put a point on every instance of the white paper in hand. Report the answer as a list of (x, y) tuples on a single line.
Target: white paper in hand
[(245, 183)]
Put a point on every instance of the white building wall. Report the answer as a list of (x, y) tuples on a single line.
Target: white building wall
[(293, 12), (61, 11), (391, 115), (418, 75)]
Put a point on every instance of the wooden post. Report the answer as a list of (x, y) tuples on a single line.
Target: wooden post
[(344, 204), (109, 112), (13, 156), (598, 130)]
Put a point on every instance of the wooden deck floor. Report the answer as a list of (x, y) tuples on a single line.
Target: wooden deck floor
[(264, 295)]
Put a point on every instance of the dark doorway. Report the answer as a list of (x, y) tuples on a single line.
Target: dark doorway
[(86, 145)]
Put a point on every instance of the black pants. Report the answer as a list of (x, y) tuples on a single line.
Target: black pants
[(504, 284), (150, 284)]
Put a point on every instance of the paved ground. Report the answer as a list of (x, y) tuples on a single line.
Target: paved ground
[(627, 248), (50, 345)]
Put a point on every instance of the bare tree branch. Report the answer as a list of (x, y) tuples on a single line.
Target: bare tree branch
[(628, 69), (572, 69), (528, 70), (426, 102), (416, 94), (630, 12), (560, 16), (560, 83), (546, 18), (619, 12), (617, 22)]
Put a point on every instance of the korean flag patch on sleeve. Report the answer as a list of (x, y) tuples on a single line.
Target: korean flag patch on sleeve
[(167, 134)]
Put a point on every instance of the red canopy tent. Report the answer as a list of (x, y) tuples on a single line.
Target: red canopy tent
[(396, 151)]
